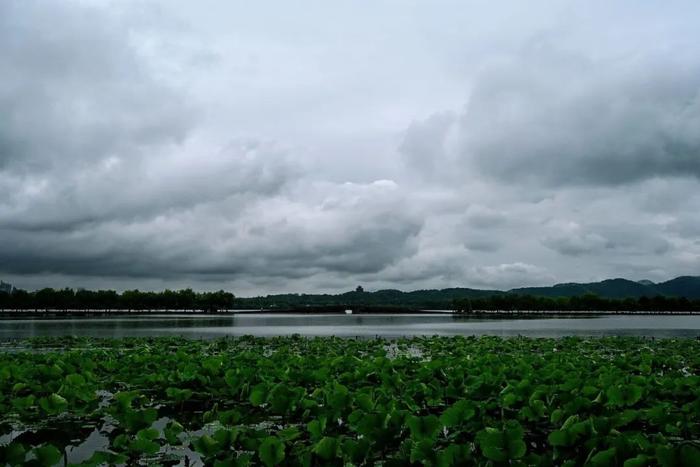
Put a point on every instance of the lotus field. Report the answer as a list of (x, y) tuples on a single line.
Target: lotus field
[(329, 401)]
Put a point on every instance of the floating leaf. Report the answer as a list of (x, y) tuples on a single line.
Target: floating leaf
[(48, 455), (271, 451), (458, 413), (53, 404), (423, 427), (326, 448), (604, 458)]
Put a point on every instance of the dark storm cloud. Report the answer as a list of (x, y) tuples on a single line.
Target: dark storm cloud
[(270, 238), (558, 118)]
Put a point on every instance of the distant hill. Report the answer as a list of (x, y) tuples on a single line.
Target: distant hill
[(686, 286)]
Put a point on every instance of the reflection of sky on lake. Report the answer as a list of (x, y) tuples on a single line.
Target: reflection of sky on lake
[(350, 325)]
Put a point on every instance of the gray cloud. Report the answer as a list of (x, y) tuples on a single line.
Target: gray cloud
[(167, 144), (75, 90), (129, 190), (574, 239), (355, 229), (553, 117), (510, 275)]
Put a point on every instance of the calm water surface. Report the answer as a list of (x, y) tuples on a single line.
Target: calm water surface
[(203, 326)]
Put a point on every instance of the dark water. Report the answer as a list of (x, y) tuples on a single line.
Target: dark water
[(201, 326)]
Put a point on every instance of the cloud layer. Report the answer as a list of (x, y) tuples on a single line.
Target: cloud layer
[(164, 144)]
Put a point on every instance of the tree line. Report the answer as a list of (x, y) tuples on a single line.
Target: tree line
[(69, 299), (187, 299), (588, 302)]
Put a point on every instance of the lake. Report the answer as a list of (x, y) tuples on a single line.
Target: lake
[(385, 325)]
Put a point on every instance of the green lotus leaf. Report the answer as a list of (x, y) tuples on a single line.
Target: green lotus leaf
[(212, 365), (624, 395), (355, 451), (289, 434), (240, 460), (147, 433), (258, 395), (24, 403), (316, 427), (101, 458), (229, 417), (75, 379), (282, 399), (492, 444), (48, 455), (424, 427), (364, 401), (232, 379), (501, 445), (134, 420), (454, 454), (206, 445), (125, 399), (144, 445), (559, 438), (121, 441), (326, 448), (604, 458), (53, 404), (226, 437), (338, 397), (13, 453), (271, 451), (422, 451), (172, 430), (178, 395), (689, 455), (458, 413), (640, 460)]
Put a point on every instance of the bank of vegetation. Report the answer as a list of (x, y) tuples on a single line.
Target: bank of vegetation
[(70, 299), (463, 300), (327, 401), (589, 302)]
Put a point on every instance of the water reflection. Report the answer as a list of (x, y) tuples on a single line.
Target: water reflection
[(394, 325)]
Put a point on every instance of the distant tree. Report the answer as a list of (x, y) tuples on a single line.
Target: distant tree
[(359, 289)]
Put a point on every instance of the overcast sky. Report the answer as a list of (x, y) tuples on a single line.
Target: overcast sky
[(313, 146)]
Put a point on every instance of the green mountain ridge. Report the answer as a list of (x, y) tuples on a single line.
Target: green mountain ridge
[(685, 286)]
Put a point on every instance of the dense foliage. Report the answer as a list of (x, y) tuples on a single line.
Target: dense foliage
[(579, 303), (330, 401), (456, 298), (459, 299), (64, 299)]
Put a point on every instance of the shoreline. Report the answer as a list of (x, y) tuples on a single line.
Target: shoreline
[(73, 313)]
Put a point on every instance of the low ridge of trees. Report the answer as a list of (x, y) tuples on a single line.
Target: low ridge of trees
[(69, 299), (457, 299), (588, 302)]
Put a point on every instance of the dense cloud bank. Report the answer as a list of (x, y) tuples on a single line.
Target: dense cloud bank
[(161, 144)]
